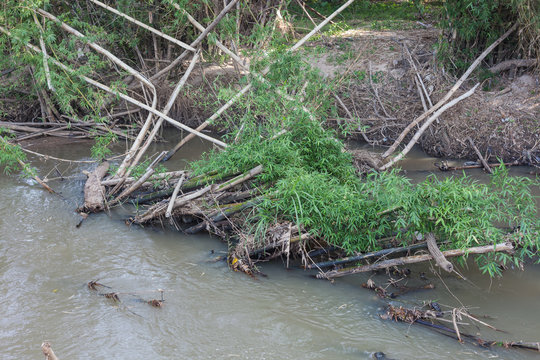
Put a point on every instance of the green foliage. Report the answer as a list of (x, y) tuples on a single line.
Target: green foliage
[(100, 150), (11, 156), (310, 181), (472, 25), (371, 10)]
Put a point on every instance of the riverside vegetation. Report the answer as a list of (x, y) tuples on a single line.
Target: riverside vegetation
[(308, 184), (280, 181)]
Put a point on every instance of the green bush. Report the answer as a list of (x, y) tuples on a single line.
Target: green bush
[(309, 180), (472, 25)]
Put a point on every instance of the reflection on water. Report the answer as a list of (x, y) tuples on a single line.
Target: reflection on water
[(210, 312)]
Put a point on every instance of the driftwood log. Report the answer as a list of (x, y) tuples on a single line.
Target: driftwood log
[(48, 351), (437, 254), (93, 190), (507, 247), (374, 254), (479, 154)]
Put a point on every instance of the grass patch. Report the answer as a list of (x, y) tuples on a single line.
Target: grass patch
[(379, 15)]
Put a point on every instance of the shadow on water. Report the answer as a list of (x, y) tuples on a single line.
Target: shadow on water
[(210, 312)]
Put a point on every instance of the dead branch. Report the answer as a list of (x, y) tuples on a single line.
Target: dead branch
[(45, 55), (197, 41), (437, 254), (48, 351), (425, 126), (161, 176), (144, 26), (506, 247), (137, 184), (351, 117), (429, 318), (449, 94), (173, 196), (167, 108), (479, 154), (374, 254)]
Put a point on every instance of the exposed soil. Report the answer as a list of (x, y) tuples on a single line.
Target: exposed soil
[(376, 83), (503, 122)]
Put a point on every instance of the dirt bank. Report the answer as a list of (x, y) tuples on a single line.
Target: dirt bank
[(376, 78)]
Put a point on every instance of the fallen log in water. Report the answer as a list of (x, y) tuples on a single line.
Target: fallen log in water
[(187, 185), (375, 254), (94, 192), (437, 254), (160, 209), (129, 180), (48, 351), (443, 166), (506, 247)]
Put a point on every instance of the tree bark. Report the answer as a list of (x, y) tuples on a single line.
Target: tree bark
[(94, 192), (415, 259), (48, 351), (437, 255)]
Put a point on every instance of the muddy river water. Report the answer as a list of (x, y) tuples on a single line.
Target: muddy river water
[(210, 312)]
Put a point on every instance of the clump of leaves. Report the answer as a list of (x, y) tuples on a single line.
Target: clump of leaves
[(11, 155), (472, 25), (309, 180), (100, 150)]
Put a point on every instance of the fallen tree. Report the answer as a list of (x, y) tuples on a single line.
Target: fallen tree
[(280, 183)]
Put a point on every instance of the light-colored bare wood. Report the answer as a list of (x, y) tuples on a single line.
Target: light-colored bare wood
[(144, 26), (173, 196), (48, 351), (504, 247), (94, 192), (197, 41), (436, 253), (479, 154), (166, 110), (45, 55), (138, 140), (449, 94), (428, 122), (510, 64)]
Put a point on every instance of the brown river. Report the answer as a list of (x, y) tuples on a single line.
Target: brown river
[(211, 312)]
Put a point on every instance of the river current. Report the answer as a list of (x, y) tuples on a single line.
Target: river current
[(210, 312)]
